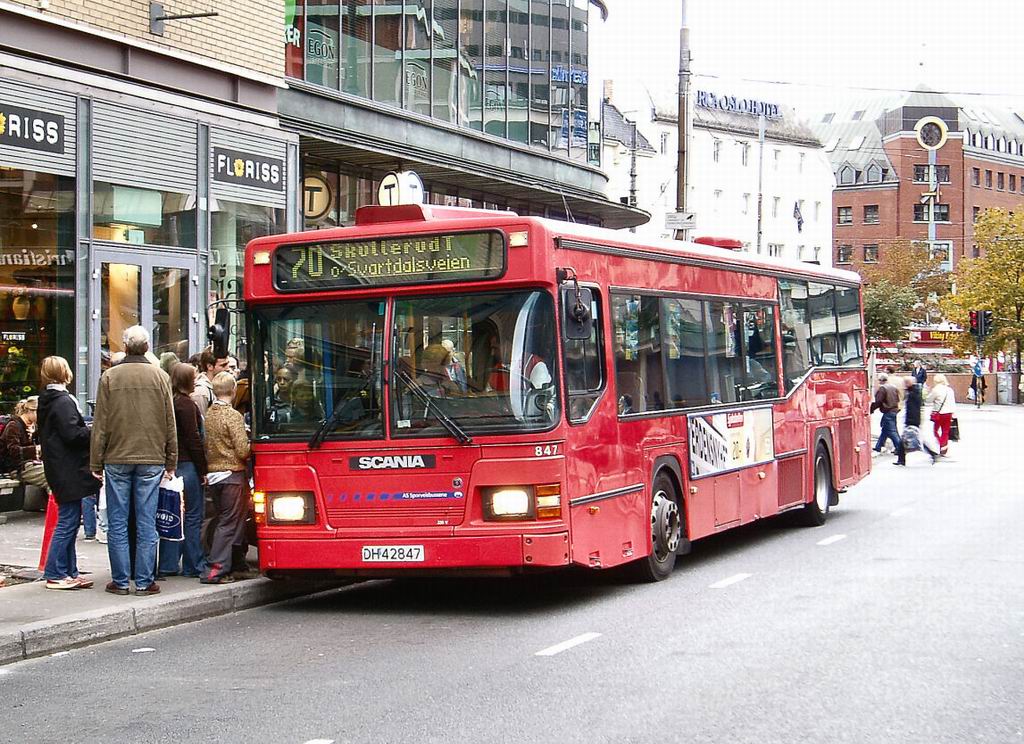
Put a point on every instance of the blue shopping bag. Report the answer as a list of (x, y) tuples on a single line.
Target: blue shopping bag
[(170, 513)]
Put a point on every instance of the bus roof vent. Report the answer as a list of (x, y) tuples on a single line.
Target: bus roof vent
[(730, 243), (375, 215)]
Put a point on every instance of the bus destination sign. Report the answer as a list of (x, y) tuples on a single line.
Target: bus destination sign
[(413, 259)]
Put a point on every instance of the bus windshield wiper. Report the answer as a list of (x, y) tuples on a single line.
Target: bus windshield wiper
[(446, 421), (331, 422)]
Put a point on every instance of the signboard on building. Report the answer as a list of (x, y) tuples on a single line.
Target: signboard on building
[(246, 169), (400, 187), (31, 129), (738, 105)]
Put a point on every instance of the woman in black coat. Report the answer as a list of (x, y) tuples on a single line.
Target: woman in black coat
[(64, 439)]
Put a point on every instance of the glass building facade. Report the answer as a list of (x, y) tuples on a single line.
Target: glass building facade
[(514, 69)]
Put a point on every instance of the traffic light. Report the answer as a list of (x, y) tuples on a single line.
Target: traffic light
[(984, 323), (975, 320)]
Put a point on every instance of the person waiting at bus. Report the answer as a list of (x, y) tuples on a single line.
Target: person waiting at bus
[(227, 450)]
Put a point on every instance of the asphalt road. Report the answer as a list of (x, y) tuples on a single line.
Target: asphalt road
[(901, 620)]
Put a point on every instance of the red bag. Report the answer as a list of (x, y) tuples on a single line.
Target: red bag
[(935, 416)]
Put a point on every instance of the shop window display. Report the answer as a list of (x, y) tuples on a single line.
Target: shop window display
[(126, 214), (37, 277)]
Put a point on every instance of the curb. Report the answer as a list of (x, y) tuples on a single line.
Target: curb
[(86, 628)]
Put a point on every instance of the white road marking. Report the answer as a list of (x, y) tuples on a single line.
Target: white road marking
[(830, 540), (56, 654), (730, 581), (901, 511), (143, 650), (320, 741), (566, 645)]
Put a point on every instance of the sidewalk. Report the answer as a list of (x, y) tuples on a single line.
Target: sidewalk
[(35, 621)]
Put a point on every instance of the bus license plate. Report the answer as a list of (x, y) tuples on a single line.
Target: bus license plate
[(392, 554)]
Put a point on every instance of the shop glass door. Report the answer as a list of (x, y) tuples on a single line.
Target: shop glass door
[(157, 291)]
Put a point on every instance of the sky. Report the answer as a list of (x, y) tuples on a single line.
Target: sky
[(819, 48)]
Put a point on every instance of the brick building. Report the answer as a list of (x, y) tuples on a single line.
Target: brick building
[(881, 173)]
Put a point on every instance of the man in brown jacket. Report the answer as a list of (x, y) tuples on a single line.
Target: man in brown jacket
[(227, 450), (134, 444)]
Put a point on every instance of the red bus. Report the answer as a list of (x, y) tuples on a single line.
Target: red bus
[(450, 390)]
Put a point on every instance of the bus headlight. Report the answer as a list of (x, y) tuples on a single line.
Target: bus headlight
[(507, 502), (291, 508)]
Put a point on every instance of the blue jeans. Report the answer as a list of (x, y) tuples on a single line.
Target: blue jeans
[(191, 549), (89, 515), (127, 485), (61, 560), (889, 432)]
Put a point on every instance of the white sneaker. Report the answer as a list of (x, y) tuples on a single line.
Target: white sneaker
[(65, 583), (101, 537)]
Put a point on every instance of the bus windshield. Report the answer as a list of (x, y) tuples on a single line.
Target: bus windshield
[(462, 364), (317, 361), (484, 361)]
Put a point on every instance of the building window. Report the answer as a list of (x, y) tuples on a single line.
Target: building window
[(746, 204), (800, 163), (943, 250), (776, 157), (988, 179), (858, 115), (37, 279), (976, 176), (718, 200), (775, 249), (844, 215), (817, 253), (941, 173), (775, 206), (745, 153), (800, 251), (844, 254), (827, 118), (942, 213), (1013, 182), (716, 151), (1001, 181), (920, 213), (977, 213), (871, 254), (873, 174), (817, 211), (975, 251), (847, 176), (871, 214), (126, 214), (664, 143)]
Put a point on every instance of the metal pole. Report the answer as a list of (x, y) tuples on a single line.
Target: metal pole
[(683, 118), (632, 171), (761, 124), (933, 188)]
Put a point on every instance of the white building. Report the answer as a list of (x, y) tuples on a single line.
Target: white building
[(722, 189)]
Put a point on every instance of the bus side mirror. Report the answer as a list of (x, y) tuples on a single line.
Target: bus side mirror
[(219, 331), (577, 320)]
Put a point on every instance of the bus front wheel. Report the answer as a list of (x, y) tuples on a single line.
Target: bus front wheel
[(816, 510), (666, 531)]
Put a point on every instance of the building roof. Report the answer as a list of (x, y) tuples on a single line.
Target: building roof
[(854, 130), (617, 128)]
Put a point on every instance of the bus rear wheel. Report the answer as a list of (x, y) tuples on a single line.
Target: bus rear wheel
[(816, 511), (666, 531)]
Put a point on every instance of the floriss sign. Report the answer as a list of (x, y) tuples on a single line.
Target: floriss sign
[(34, 130), (246, 169)]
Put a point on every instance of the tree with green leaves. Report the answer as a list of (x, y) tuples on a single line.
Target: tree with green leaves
[(994, 281), (887, 310)]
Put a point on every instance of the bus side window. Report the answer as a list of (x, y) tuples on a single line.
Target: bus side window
[(848, 318), (821, 309), (639, 379), (584, 364), (683, 327), (796, 360)]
